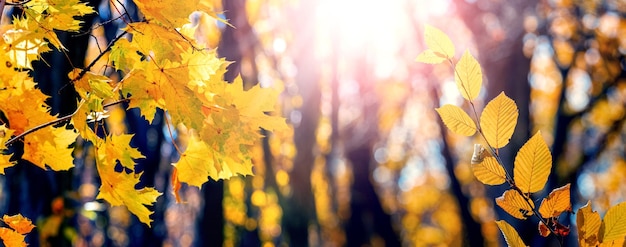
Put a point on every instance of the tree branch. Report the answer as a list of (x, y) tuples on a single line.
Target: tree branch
[(95, 60), (53, 122)]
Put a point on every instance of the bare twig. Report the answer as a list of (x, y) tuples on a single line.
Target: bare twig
[(53, 122)]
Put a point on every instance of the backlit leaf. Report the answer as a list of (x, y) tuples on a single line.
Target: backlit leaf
[(498, 120), (200, 161), (588, 223), (5, 134), (468, 76), (614, 224), (50, 146), (557, 202), (511, 236), (117, 147), (118, 188), (438, 42), (457, 120), (253, 103), (515, 204), (533, 164), (544, 231), (19, 223), (168, 12), (12, 238), (489, 172), (430, 57)]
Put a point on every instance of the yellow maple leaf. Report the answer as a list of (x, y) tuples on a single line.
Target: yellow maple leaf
[(253, 103), (118, 188), (95, 84), (533, 164), (199, 162), (498, 120), (50, 146), (143, 95), (5, 162), (169, 12), (19, 223), (511, 236), (170, 46), (515, 204), (117, 147), (457, 120), (557, 202)]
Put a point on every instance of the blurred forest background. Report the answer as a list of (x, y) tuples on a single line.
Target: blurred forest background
[(367, 161)]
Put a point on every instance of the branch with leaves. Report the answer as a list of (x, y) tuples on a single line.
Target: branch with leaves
[(164, 67), (533, 162)]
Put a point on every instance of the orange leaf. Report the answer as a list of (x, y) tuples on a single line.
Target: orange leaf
[(515, 204), (588, 223), (543, 229), (19, 223), (11, 238), (556, 203)]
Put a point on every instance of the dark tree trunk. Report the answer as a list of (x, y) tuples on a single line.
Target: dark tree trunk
[(367, 216), (211, 219), (299, 206)]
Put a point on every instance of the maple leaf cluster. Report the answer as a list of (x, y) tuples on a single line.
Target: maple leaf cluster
[(163, 67)]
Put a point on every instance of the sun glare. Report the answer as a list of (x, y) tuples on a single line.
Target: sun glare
[(379, 31)]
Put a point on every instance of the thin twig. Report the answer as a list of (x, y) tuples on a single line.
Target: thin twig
[(56, 121), (95, 60)]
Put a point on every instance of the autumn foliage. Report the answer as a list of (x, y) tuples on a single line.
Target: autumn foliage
[(163, 67), (533, 162)]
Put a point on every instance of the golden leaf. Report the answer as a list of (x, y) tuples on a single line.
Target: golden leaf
[(515, 204), (430, 57), (19, 223), (5, 162), (253, 103), (117, 147), (457, 120), (118, 188), (498, 120), (588, 223), (511, 236), (12, 238), (614, 224), (468, 76), (168, 12), (199, 162), (533, 164), (50, 146), (557, 202), (489, 172), (438, 42)]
